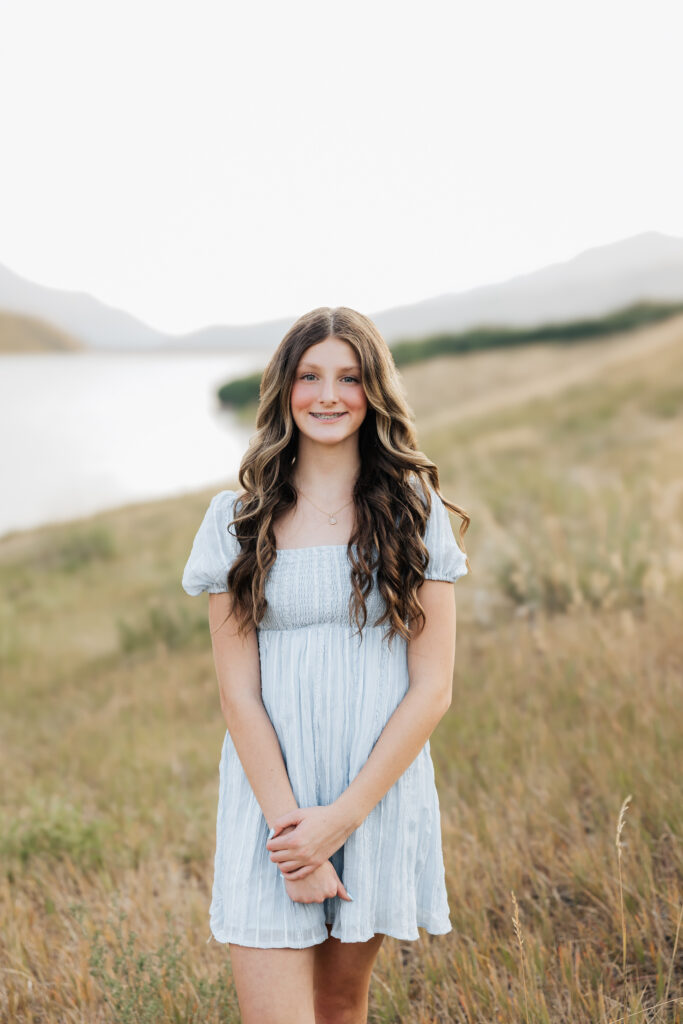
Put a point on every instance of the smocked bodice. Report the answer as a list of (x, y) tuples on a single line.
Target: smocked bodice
[(312, 587)]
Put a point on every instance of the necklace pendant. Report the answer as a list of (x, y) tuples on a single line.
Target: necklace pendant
[(332, 520)]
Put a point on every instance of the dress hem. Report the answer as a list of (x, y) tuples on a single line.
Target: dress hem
[(432, 929)]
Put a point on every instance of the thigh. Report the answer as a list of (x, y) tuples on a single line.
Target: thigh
[(274, 986), (344, 968)]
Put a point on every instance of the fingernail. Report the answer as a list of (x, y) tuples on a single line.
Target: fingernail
[(271, 833), (349, 895)]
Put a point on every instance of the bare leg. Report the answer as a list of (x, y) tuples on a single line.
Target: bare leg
[(274, 986), (341, 979)]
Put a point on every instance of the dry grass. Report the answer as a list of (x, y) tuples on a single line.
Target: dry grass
[(567, 712), (22, 333)]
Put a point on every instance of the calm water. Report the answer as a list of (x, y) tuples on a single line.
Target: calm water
[(85, 432)]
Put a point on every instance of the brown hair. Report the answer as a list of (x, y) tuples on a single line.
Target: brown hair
[(389, 513)]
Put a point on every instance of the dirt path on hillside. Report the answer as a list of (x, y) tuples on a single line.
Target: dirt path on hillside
[(480, 383)]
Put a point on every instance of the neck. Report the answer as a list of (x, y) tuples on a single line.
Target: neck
[(326, 471)]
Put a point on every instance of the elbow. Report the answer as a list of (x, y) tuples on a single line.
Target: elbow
[(445, 702), (231, 716), (233, 706), (438, 703), (224, 705), (229, 707), (443, 698), (223, 698), (227, 717), (436, 700)]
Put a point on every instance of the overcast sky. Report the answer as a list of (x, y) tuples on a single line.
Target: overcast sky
[(206, 161)]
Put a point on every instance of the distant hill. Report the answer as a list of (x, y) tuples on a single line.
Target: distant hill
[(648, 266), (28, 334), (99, 326), (91, 322)]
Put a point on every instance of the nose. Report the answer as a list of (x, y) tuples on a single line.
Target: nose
[(329, 390)]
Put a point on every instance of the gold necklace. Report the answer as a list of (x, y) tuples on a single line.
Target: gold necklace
[(331, 515)]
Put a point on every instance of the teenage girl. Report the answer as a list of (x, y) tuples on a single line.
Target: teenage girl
[(332, 617)]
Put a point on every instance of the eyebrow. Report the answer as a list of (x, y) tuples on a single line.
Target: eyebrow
[(343, 369)]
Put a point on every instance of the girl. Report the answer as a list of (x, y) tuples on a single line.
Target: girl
[(332, 619)]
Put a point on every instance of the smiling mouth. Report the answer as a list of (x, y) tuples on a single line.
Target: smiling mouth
[(328, 417)]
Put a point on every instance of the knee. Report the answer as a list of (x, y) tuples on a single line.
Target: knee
[(341, 1007)]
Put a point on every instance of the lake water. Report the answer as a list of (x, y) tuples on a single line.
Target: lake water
[(84, 432)]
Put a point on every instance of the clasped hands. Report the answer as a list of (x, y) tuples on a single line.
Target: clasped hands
[(303, 841)]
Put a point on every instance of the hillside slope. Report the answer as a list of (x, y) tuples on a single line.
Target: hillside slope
[(450, 389), (19, 334), (566, 701)]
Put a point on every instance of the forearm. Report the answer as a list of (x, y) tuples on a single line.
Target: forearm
[(397, 746), (258, 749), (430, 662)]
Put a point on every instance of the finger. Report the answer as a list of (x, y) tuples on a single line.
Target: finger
[(278, 842), (341, 891), (293, 818), (290, 865), (283, 855), (299, 873)]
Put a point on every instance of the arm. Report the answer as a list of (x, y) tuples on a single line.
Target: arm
[(239, 683), (431, 659), (238, 671)]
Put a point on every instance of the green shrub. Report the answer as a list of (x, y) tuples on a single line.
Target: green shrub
[(57, 831), (152, 986), (158, 626), (82, 546)]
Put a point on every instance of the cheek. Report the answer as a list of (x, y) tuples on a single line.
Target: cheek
[(358, 402), (299, 399)]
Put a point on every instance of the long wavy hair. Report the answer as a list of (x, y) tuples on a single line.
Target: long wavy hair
[(390, 517)]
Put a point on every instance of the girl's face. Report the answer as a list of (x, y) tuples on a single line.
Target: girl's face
[(328, 380)]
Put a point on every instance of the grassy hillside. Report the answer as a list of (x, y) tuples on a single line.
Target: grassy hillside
[(567, 701), (19, 333)]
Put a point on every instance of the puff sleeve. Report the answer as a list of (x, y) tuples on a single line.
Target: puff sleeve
[(213, 549), (446, 558)]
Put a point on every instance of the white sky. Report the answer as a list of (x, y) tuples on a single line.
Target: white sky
[(207, 161)]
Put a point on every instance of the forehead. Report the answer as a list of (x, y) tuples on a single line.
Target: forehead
[(331, 352)]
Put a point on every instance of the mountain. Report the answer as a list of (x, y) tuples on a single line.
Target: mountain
[(596, 281), (86, 319), (98, 326)]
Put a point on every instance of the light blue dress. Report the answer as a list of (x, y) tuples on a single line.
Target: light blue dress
[(328, 695)]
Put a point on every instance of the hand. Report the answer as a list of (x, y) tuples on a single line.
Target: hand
[(322, 883), (319, 832)]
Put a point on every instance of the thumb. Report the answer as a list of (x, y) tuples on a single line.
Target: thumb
[(341, 891)]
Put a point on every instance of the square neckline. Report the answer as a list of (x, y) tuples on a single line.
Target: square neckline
[(312, 547), (308, 547)]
